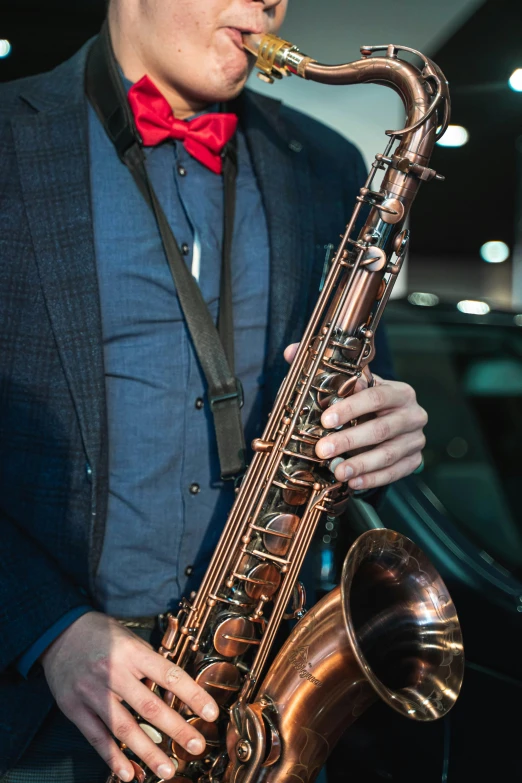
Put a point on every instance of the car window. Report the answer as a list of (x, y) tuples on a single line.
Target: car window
[(469, 379)]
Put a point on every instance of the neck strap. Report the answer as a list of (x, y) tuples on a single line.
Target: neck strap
[(214, 349)]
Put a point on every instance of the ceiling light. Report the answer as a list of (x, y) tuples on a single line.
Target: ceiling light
[(494, 252), (473, 307), (455, 136), (5, 48), (515, 80), (423, 300)]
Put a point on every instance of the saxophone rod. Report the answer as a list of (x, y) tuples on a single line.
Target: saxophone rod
[(239, 513)]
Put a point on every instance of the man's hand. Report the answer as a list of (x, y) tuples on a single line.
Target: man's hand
[(94, 666), (392, 441)]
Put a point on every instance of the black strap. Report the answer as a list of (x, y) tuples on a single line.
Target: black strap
[(215, 350)]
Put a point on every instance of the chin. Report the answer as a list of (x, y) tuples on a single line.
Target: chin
[(231, 73), (226, 88)]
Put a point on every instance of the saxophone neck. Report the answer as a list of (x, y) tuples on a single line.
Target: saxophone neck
[(424, 91)]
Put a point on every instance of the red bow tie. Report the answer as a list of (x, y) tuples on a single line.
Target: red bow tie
[(203, 137)]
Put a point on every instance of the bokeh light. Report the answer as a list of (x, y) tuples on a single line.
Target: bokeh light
[(515, 80), (455, 136), (5, 47), (494, 252), (473, 307), (423, 299)]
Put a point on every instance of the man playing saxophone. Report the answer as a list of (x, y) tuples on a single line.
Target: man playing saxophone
[(111, 498)]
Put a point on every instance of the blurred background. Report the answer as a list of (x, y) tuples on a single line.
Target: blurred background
[(455, 329)]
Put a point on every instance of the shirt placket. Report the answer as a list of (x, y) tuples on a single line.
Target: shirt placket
[(197, 490)]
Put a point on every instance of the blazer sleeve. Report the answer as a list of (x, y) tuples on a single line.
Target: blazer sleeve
[(34, 593), (30, 656)]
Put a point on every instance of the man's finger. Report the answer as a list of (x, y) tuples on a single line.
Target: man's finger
[(99, 737), (290, 352), (173, 678), (385, 456), (381, 478), (373, 400), (370, 433), (154, 711), (125, 728)]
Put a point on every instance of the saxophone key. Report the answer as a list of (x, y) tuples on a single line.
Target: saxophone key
[(222, 680), (152, 733), (297, 491), (234, 636), (261, 446), (280, 530), (210, 733), (263, 579), (139, 772)]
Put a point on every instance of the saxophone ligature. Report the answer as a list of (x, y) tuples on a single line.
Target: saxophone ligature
[(390, 630)]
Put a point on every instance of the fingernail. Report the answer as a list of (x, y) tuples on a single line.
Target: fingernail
[(195, 746), (330, 419), (326, 449), (348, 471), (165, 770), (124, 774), (356, 483), (209, 712)]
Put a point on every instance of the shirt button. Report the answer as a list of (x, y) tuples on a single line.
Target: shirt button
[(199, 403), (189, 570), (88, 470), (182, 171), (194, 488), (185, 249)]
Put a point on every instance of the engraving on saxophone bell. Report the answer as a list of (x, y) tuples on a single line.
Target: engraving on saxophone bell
[(299, 660)]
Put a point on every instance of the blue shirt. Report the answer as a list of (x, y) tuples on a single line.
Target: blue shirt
[(167, 504)]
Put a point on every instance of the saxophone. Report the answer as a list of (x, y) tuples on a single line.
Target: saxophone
[(390, 629)]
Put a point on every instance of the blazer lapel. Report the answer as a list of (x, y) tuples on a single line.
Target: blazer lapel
[(281, 165), (52, 152)]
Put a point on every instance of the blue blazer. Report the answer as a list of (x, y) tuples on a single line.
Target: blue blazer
[(52, 391)]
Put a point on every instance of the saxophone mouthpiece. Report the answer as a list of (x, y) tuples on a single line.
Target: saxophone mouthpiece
[(275, 57), (252, 42)]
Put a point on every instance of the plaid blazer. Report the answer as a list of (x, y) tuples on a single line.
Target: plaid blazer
[(52, 394)]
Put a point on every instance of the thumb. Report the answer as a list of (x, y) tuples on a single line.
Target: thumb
[(290, 352)]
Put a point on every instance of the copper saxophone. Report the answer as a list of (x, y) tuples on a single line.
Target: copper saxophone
[(390, 630)]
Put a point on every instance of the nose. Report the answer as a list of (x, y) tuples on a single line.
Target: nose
[(275, 10), (268, 3)]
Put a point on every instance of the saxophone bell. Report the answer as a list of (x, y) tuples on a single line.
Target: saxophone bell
[(390, 631)]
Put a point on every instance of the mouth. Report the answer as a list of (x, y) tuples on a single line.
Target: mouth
[(236, 35)]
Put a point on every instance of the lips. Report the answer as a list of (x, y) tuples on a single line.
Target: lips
[(236, 34)]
